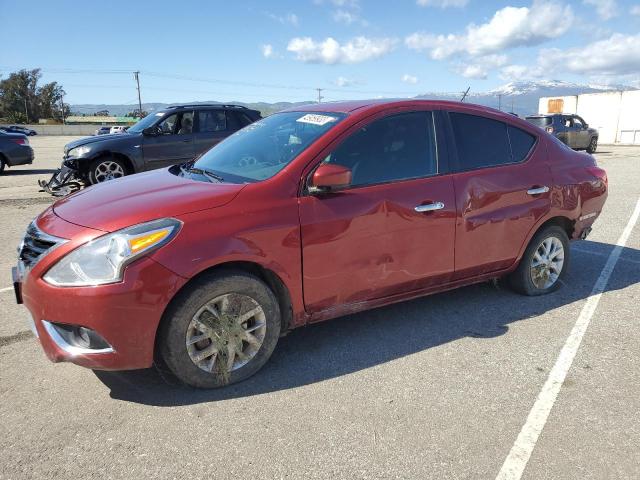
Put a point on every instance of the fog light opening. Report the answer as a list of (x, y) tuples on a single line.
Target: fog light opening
[(77, 340)]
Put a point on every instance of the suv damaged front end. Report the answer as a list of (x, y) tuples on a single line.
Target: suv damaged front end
[(67, 179)]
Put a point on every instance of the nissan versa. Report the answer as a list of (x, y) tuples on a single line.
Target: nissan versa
[(305, 215)]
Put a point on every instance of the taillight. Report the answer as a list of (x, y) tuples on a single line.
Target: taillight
[(20, 141), (599, 173), (549, 129)]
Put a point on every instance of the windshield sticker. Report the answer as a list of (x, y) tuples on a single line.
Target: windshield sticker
[(315, 119)]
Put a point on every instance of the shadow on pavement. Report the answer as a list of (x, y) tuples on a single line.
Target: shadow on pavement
[(345, 345), (40, 171)]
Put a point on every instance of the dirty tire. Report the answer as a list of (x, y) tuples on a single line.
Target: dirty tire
[(171, 344), (103, 167), (593, 145), (521, 279)]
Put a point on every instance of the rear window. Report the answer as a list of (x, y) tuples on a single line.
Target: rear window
[(540, 121)]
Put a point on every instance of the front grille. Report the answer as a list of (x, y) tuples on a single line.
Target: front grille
[(35, 244)]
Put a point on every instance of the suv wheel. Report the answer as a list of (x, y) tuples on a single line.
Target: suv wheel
[(106, 168), (544, 264), (593, 145), (221, 330)]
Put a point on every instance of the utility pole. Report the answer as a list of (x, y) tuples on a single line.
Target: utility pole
[(136, 76), (26, 111), (62, 109), (500, 101), (320, 97), (464, 95)]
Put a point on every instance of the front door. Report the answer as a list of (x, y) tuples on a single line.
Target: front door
[(392, 230), (173, 143), (211, 128), (502, 190)]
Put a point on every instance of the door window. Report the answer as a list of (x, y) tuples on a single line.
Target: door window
[(397, 147), (480, 141), (186, 123), (521, 143), (577, 123), (168, 125), (212, 121)]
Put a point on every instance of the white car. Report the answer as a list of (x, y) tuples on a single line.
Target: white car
[(118, 129)]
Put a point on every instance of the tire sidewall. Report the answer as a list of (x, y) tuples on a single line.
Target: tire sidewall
[(172, 339), (523, 281)]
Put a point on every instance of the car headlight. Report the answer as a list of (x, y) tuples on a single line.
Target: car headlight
[(103, 260), (78, 151)]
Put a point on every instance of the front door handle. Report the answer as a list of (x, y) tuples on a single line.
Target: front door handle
[(538, 190), (429, 207)]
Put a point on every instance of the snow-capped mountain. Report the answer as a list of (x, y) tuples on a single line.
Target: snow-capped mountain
[(522, 97)]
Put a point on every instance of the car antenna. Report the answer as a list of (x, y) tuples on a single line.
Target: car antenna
[(464, 95)]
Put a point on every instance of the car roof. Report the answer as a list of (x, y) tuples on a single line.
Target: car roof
[(376, 104)]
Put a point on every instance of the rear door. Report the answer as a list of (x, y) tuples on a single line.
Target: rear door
[(393, 230), (502, 190), (212, 126), (173, 144)]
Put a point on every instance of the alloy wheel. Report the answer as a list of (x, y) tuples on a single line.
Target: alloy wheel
[(108, 170), (547, 263)]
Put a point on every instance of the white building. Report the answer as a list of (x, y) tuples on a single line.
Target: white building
[(616, 115)]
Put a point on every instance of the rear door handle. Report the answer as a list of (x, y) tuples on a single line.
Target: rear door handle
[(429, 207), (538, 190)]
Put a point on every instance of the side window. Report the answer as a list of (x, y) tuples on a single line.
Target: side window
[(577, 123), (244, 119), (212, 121), (566, 122), (186, 123), (168, 125), (233, 121), (397, 147), (521, 143), (480, 141)]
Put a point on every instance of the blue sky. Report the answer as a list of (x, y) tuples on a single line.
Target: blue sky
[(281, 50)]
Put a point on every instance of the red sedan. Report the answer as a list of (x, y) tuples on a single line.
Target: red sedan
[(306, 215)]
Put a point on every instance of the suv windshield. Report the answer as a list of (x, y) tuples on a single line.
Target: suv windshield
[(262, 149), (145, 122), (540, 121)]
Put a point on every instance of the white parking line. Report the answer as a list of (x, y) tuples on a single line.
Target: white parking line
[(5, 289), (518, 457)]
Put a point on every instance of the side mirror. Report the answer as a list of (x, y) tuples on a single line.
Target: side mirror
[(151, 131), (329, 178)]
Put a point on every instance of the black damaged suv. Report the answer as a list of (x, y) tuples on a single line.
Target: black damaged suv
[(174, 135), (571, 130)]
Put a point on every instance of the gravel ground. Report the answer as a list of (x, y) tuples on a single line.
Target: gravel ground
[(432, 388)]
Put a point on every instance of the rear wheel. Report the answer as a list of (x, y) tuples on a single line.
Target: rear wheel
[(544, 264), (221, 330), (106, 168), (593, 145)]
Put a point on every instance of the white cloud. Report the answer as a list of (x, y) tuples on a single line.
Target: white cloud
[(290, 18), (634, 10), (267, 51), (410, 79), (442, 3), (345, 82), (479, 68), (606, 9), (331, 52), (510, 27), (616, 58), (347, 17)]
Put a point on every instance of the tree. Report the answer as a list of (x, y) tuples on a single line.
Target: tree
[(23, 101), (137, 114)]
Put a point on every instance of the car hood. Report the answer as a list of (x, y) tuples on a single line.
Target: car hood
[(97, 138), (140, 198)]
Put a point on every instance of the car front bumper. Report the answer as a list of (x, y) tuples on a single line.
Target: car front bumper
[(125, 314)]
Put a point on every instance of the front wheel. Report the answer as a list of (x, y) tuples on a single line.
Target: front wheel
[(222, 329), (544, 264), (593, 145), (106, 168)]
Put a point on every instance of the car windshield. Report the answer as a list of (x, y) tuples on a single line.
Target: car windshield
[(262, 149), (145, 122), (540, 121)]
